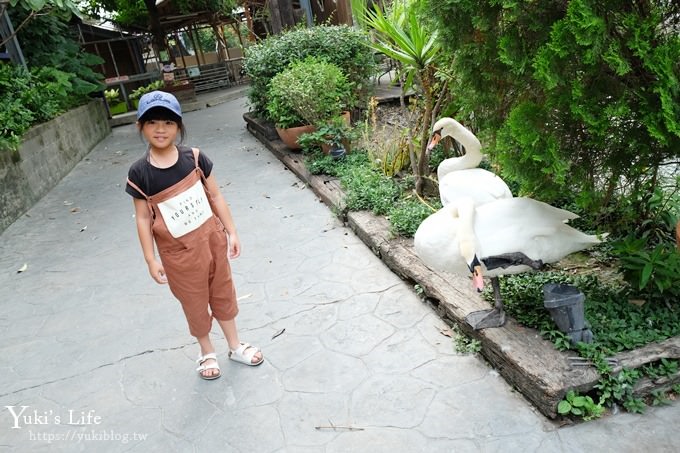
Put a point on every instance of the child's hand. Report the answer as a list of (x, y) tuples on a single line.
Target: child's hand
[(234, 246), (157, 272)]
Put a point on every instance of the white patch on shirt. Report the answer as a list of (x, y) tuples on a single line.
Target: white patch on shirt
[(187, 211)]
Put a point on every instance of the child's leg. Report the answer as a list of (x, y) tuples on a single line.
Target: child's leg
[(231, 334), (207, 348)]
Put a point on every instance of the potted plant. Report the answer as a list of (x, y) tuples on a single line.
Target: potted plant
[(334, 136), (114, 101), (183, 90), (141, 91), (309, 93)]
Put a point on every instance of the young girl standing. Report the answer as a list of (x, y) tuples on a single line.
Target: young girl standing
[(179, 207)]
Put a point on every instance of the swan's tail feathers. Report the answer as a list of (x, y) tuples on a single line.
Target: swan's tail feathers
[(594, 239)]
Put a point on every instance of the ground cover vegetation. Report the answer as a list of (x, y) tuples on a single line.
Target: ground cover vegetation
[(577, 104)]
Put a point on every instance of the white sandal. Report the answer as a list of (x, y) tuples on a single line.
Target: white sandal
[(245, 354), (213, 366)]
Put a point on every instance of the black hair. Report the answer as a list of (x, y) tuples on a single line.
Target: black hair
[(162, 114)]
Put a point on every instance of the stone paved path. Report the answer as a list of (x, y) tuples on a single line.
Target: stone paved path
[(102, 360)]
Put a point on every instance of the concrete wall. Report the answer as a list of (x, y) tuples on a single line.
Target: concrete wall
[(48, 152)]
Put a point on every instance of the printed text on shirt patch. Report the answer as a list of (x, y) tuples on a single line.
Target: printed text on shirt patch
[(187, 211)]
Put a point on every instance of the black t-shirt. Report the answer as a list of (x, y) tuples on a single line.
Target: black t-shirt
[(153, 180)]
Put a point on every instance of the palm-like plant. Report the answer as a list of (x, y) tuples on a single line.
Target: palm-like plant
[(402, 36)]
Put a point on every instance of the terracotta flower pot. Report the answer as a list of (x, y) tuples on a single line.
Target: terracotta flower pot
[(291, 135)]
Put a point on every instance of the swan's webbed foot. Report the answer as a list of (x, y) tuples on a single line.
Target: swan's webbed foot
[(511, 259), (486, 319), (495, 317)]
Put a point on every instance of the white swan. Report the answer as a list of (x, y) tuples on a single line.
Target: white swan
[(506, 236), (458, 176)]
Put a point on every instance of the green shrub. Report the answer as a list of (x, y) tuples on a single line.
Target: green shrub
[(341, 45), (47, 41), (652, 272), (579, 99), (60, 76), (311, 91), (30, 98)]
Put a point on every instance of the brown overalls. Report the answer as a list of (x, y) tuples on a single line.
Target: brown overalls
[(192, 245)]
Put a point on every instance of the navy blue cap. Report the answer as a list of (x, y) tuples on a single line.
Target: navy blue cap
[(158, 99)]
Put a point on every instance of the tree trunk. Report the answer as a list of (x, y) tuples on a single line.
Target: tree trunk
[(425, 133), (157, 31), (275, 17), (286, 14)]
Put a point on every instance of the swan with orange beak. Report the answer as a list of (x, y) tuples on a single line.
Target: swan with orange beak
[(459, 177), (502, 237)]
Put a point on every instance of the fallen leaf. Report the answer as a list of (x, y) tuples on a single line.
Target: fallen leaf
[(446, 331), (278, 333), (244, 297), (83, 228), (23, 268), (67, 203), (76, 209)]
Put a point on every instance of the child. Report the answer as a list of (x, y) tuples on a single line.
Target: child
[(178, 205)]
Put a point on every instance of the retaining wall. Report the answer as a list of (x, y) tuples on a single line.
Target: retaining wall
[(48, 152)]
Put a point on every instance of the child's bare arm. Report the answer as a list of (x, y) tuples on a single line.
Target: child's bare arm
[(224, 214), (143, 219)]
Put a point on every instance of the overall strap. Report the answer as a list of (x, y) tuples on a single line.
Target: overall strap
[(148, 202), (200, 171), (204, 180), (136, 187)]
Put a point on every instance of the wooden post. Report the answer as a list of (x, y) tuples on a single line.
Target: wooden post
[(275, 15), (249, 23), (344, 12), (286, 12)]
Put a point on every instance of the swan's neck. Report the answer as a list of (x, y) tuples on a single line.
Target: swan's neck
[(464, 210), (473, 154)]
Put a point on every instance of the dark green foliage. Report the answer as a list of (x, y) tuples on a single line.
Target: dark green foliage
[(29, 98), (580, 100), (654, 273), (616, 324), (134, 13), (366, 188), (341, 45), (60, 77), (47, 41)]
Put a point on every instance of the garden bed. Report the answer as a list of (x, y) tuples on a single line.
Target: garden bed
[(527, 361)]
